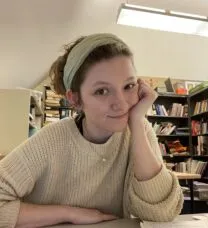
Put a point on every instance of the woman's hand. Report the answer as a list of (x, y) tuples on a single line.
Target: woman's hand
[(84, 216), (147, 96)]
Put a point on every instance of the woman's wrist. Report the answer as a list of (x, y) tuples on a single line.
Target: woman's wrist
[(136, 122), (66, 213)]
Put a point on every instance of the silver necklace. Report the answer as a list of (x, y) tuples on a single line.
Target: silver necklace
[(86, 135)]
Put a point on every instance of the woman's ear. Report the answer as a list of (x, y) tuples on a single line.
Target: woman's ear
[(73, 98)]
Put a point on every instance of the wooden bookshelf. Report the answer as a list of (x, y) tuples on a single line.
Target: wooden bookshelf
[(57, 110), (201, 117), (172, 95), (181, 122)]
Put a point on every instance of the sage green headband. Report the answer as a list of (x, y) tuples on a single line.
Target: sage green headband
[(81, 51)]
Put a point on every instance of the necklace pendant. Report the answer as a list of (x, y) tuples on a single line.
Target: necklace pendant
[(104, 159)]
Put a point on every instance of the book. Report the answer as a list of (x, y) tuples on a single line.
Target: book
[(195, 127), (199, 87), (164, 128), (191, 166), (169, 85)]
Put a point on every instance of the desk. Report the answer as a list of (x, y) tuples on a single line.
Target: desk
[(122, 223), (190, 177)]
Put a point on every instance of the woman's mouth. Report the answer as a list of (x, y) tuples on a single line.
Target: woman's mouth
[(119, 116)]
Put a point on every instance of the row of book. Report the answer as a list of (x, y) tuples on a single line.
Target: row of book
[(164, 128), (201, 190), (173, 148), (55, 107), (176, 109), (52, 99), (192, 166), (55, 115), (201, 106), (202, 146), (199, 127), (168, 128)]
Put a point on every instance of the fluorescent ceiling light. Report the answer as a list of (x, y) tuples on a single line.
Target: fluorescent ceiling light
[(157, 19), (188, 15), (145, 8)]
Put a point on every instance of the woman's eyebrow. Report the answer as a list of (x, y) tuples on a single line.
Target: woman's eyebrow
[(101, 83), (107, 83), (131, 78)]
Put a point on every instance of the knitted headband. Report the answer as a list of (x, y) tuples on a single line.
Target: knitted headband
[(81, 51)]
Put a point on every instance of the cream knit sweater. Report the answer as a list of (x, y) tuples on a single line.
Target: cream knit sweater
[(58, 166)]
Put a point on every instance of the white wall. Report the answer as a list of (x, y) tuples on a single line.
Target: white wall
[(32, 34)]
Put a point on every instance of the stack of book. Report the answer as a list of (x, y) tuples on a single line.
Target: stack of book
[(202, 145), (163, 149), (51, 116), (201, 106), (164, 128), (52, 99), (173, 148), (201, 190), (199, 87), (199, 127), (182, 131), (177, 148), (176, 109), (181, 167), (198, 167), (192, 166)]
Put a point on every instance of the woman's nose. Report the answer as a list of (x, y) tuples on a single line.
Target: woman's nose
[(119, 103)]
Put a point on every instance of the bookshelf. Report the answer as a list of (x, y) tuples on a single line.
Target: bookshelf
[(189, 161), (171, 109), (194, 114), (199, 121), (20, 109), (55, 106)]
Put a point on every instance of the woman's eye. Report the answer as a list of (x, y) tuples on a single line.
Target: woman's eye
[(101, 92), (129, 86)]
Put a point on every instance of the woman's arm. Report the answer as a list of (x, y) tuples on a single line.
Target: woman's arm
[(154, 193), (146, 162), (17, 181), (32, 215)]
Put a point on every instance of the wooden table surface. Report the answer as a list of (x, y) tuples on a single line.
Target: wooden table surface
[(128, 223), (120, 223), (187, 176)]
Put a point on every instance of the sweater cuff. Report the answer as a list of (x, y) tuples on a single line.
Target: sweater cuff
[(156, 189), (9, 213)]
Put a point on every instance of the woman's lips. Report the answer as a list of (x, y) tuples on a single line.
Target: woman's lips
[(119, 116)]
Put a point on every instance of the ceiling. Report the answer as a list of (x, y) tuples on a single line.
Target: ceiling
[(32, 33)]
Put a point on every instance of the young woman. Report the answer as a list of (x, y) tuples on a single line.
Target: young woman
[(103, 165)]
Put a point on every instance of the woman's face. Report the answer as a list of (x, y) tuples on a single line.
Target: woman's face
[(108, 93)]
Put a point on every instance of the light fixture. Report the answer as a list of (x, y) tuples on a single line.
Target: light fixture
[(159, 19)]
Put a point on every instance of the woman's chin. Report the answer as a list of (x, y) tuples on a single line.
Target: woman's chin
[(119, 127)]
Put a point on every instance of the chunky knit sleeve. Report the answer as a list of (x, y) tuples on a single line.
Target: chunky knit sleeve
[(157, 199), (19, 171)]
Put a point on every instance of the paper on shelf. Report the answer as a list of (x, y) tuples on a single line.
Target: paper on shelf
[(177, 224)]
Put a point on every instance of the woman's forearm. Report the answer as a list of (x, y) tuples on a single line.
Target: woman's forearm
[(146, 164), (32, 215)]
